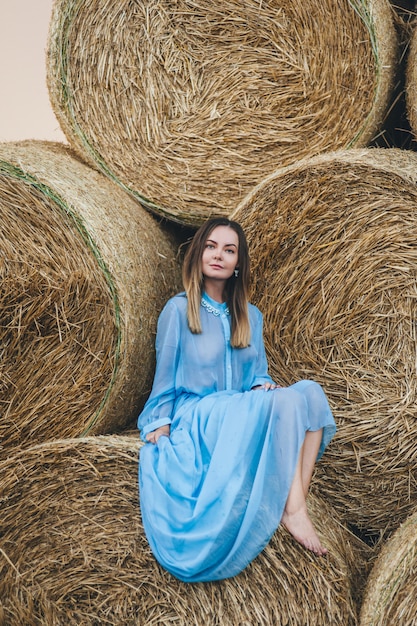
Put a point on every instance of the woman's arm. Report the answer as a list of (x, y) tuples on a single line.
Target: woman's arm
[(158, 409)]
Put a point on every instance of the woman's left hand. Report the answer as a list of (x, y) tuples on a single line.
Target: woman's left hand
[(267, 386)]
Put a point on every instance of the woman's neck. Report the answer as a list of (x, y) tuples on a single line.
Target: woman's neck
[(215, 289)]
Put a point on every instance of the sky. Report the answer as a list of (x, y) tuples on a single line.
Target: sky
[(25, 109)]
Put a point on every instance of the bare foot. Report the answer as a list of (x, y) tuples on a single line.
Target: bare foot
[(299, 525)]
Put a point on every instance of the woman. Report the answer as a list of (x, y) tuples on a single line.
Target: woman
[(230, 454)]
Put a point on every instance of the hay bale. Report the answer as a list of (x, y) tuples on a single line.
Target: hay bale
[(411, 80), (84, 272), (334, 254), (390, 592), (188, 105), (72, 548)]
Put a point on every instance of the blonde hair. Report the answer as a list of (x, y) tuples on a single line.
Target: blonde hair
[(237, 287)]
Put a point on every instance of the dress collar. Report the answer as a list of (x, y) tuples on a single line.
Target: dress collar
[(214, 307)]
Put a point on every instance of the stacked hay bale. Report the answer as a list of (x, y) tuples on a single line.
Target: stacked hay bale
[(396, 126), (390, 592), (411, 81), (335, 266), (84, 272), (73, 551), (189, 105)]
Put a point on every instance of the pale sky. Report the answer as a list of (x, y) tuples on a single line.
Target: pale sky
[(25, 110)]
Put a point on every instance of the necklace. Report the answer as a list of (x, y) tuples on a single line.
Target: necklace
[(212, 309)]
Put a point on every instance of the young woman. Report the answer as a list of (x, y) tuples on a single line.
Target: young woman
[(230, 454)]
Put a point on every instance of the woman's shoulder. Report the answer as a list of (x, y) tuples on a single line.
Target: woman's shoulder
[(178, 298), (177, 302)]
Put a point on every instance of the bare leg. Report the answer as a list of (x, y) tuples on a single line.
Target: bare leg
[(295, 517), (308, 455)]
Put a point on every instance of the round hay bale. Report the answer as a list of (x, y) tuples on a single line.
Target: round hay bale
[(189, 105), (72, 548), (411, 80), (84, 273), (390, 592), (334, 255)]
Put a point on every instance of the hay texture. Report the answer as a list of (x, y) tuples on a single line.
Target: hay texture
[(189, 104), (73, 551), (84, 273), (390, 593), (411, 81), (334, 259)]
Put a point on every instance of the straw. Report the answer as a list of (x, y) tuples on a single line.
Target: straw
[(390, 592), (334, 255), (73, 550), (411, 80), (84, 273), (188, 105)]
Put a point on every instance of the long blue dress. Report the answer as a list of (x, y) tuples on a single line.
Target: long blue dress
[(213, 493)]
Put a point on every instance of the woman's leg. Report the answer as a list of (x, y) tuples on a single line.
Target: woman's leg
[(295, 517), (308, 455)]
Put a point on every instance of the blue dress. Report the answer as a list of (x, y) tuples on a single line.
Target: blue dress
[(213, 493)]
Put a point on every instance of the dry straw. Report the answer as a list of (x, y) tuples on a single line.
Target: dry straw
[(73, 551), (333, 245), (189, 104), (411, 81), (84, 272), (390, 592)]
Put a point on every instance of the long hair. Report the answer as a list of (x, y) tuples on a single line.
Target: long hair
[(237, 287)]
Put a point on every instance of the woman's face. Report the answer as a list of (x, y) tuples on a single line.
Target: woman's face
[(220, 255)]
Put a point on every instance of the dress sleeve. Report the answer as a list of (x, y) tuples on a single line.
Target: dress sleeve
[(159, 406), (261, 370)]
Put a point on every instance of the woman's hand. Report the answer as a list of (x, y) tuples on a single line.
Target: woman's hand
[(267, 386), (153, 436)]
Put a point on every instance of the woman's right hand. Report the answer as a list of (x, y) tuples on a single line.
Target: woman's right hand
[(153, 436)]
